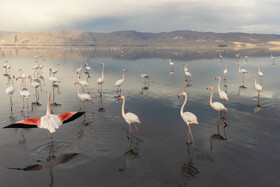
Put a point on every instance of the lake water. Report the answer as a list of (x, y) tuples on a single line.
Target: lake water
[(96, 150)]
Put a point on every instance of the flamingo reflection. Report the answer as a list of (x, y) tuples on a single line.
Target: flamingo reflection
[(49, 163), (188, 170), (218, 137), (257, 108), (132, 155)]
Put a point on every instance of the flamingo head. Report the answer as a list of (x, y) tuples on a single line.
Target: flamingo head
[(102, 64), (124, 70), (20, 70), (29, 77), (217, 77), (57, 64), (76, 83), (210, 87), (183, 93), (121, 98)]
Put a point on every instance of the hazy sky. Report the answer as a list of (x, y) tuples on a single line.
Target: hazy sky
[(253, 16)]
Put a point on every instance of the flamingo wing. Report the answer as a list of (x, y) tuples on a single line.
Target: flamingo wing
[(219, 106), (26, 123), (189, 117), (119, 82), (132, 118), (70, 116), (223, 95)]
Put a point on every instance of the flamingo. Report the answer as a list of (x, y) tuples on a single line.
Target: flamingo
[(272, 57), (24, 94), (82, 82), (171, 63), (100, 81), (87, 67), (54, 71), (188, 117), (36, 67), (6, 65), (242, 71), (186, 67), (54, 80), (225, 70), (220, 55), (246, 58), (144, 75), (11, 89), (84, 97), (129, 117), (216, 105), (35, 85), (49, 121), (121, 81), (259, 71), (187, 74), (41, 67), (258, 87), (222, 94)]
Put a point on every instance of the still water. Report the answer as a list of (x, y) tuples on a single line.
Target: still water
[(96, 150)]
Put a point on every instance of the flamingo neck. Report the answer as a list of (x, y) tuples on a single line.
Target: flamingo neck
[(255, 80), (49, 104), (182, 108), (56, 67), (219, 89), (78, 91), (102, 75), (123, 76), (13, 82), (30, 80), (239, 67), (211, 97), (123, 107)]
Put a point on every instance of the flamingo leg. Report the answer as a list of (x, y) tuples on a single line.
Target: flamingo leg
[(84, 106), (136, 127), (11, 99), (22, 104), (129, 129), (91, 106), (191, 135)]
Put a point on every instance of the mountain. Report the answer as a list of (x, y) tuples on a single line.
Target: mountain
[(181, 38)]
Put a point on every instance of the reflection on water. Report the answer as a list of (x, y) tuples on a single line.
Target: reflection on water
[(132, 154), (152, 95), (49, 162)]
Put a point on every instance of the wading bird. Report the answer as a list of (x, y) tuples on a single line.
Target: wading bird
[(121, 81), (258, 86), (84, 97), (129, 117), (100, 80), (216, 105), (222, 94), (51, 122), (11, 89), (188, 117)]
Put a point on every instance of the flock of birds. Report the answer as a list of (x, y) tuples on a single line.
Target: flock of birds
[(51, 122)]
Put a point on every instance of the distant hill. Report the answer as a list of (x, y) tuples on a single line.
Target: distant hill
[(182, 38)]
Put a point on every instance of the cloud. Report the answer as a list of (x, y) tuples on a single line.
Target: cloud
[(150, 16)]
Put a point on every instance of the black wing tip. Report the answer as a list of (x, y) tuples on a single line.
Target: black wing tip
[(20, 125), (75, 116)]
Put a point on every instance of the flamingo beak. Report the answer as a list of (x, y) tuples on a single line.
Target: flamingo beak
[(119, 98)]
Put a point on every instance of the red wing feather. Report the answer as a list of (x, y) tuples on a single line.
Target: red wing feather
[(69, 116), (32, 121)]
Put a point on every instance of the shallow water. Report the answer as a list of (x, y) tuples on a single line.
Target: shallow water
[(96, 149)]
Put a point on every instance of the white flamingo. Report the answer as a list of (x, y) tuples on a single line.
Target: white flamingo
[(54, 80), (36, 67), (11, 89), (187, 74), (216, 105), (24, 94), (144, 75), (258, 87), (225, 70), (22, 76), (259, 71), (171, 63), (121, 81), (87, 67), (100, 80), (129, 117), (54, 71), (188, 117), (84, 97), (222, 94), (82, 82)]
